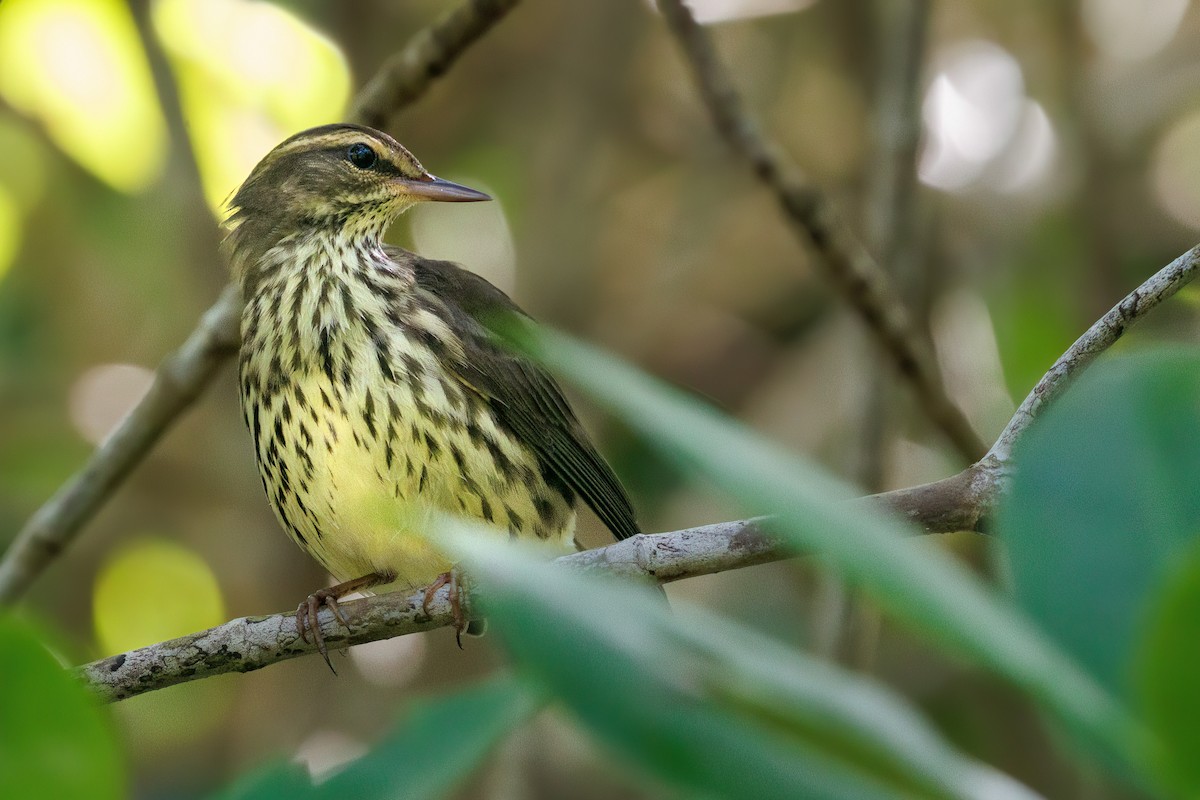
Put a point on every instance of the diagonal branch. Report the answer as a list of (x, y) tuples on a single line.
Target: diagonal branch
[(960, 502), (851, 268), (407, 75), (178, 382), (187, 372)]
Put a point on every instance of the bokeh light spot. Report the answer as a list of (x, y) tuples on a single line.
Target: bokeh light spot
[(1175, 171), (390, 663), (981, 129), (152, 590), (1126, 31), (1031, 154), (708, 12), (250, 74), (103, 395), (78, 67), (325, 751)]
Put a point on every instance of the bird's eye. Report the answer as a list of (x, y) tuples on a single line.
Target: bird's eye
[(361, 156)]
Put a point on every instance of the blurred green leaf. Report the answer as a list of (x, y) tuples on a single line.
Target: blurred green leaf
[(241, 94), (814, 511), (1103, 502), (287, 780), (1166, 676), (708, 706), (54, 738), (1037, 313), (437, 745), (79, 67)]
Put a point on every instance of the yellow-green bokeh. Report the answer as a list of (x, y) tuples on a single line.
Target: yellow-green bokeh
[(78, 67), (151, 590), (23, 168), (10, 229), (249, 74)]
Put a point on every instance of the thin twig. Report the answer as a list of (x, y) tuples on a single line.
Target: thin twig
[(960, 502), (855, 274), (1098, 338), (406, 75), (187, 372), (965, 501)]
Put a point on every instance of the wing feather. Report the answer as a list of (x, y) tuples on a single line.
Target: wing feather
[(524, 397)]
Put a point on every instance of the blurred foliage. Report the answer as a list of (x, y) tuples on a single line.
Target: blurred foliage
[(1165, 672), (704, 705), (78, 66), (1104, 506), (55, 741), (814, 512), (250, 74), (1057, 171), (437, 744)]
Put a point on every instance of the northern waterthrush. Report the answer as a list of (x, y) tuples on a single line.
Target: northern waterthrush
[(374, 392)]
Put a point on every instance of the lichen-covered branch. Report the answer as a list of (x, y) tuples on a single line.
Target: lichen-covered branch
[(848, 264), (1098, 338), (186, 372), (250, 643), (960, 502)]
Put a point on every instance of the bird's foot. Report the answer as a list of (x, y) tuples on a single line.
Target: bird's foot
[(452, 580), (308, 621)]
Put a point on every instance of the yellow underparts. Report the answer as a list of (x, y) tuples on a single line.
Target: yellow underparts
[(363, 437)]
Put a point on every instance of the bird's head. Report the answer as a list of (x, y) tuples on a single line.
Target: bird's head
[(342, 180)]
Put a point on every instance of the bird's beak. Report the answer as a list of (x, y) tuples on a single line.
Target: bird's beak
[(438, 190)]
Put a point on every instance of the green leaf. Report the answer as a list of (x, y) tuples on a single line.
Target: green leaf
[(1103, 502), (814, 511), (437, 745), (1166, 677), (55, 740), (702, 703)]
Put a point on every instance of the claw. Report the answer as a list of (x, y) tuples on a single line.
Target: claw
[(332, 604), (308, 612), (448, 578), (308, 621), (432, 590)]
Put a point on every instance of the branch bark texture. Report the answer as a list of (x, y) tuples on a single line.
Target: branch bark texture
[(1102, 335), (186, 372), (960, 502), (859, 278), (250, 643)]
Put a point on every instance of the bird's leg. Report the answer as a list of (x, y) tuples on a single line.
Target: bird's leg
[(307, 619), (450, 578)]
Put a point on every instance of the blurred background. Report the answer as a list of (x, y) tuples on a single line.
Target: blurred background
[(1045, 161)]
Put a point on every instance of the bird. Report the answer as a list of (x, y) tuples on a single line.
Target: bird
[(376, 394)]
